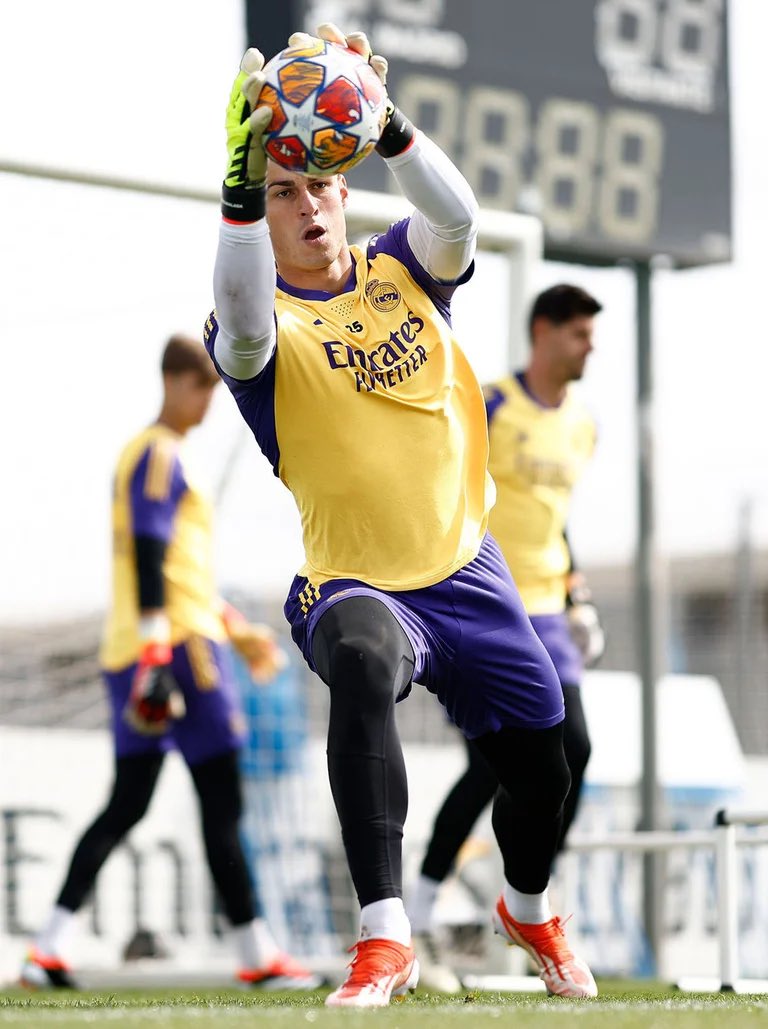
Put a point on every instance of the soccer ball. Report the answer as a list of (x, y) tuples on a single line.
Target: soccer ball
[(328, 108)]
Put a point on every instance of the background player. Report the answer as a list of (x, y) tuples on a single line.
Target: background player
[(541, 436), (372, 417), (166, 665)]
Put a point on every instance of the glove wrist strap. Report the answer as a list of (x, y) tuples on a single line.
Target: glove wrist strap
[(243, 203), (397, 134)]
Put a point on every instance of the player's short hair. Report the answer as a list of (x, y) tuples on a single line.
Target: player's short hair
[(186, 354), (560, 303)]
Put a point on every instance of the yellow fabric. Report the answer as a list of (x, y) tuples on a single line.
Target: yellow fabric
[(191, 601), (382, 433), (536, 456)]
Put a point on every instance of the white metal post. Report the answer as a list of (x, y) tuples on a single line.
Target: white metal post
[(727, 902)]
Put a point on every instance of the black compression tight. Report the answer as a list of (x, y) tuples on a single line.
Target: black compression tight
[(528, 806), (577, 748), (134, 784), (362, 653), (219, 792), (462, 807), (217, 783), (477, 785)]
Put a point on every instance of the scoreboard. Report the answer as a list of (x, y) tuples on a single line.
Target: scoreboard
[(608, 119)]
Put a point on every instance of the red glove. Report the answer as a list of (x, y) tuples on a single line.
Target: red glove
[(155, 696)]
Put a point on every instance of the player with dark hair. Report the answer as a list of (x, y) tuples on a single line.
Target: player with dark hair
[(165, 660), (343, 363), (541, 437)]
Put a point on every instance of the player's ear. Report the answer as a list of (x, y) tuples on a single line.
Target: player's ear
[(343, 190)]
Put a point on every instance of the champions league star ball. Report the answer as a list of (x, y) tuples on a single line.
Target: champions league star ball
[(328, 108)]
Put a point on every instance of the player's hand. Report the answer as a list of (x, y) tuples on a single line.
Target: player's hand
[(584, 621), (155, 697), (357, 41), (256, 644)]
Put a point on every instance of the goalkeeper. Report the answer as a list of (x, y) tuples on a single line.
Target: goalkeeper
[(541, 437), (344, 365), (170, 682)]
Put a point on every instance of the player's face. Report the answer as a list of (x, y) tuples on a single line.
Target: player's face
[(189, 396), (569, 345), (306, 220)]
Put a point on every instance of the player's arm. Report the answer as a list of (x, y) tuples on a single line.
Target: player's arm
[(244, 275), (157, 486), (583, 617), (442, 232), (255, 643)]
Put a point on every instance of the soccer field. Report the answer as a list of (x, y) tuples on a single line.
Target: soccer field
[(626, 1006)]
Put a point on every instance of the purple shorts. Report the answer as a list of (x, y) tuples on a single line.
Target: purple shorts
[(474, 644), (213, 723), (554, 633)]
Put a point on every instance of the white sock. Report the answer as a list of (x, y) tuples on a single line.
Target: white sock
[(53, 939), (256, 946), (422, 902), (385, 920), (530, 908)]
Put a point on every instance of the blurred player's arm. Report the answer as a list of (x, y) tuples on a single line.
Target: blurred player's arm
[(244, 277), (156, 488), (583, 617), (255, 643), (442, 232)]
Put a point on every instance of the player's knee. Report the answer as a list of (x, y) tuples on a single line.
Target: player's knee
[(578, 750), (123, 813), (360, 675), (362, 653), (219, 788), (531, 767)]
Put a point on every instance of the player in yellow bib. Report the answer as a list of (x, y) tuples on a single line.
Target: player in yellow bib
[(541, 437), (344, 364), (170, 681)]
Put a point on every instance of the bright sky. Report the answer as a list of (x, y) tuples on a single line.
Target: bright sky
[(93, 282)]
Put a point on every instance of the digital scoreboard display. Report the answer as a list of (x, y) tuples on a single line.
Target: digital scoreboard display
[(608, 119)]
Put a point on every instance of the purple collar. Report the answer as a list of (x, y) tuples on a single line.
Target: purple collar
[(318, 294)]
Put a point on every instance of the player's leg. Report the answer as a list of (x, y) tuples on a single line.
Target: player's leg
[(132, 789), (506, 694), (531, 768), (554, 632), (363, 654), (209, 741), (578, 749), (463, 805)]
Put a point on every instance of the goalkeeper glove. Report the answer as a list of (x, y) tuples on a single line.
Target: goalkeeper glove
[(398, 131), (155, 697), (243, 191), (256, 644), (584, 621)]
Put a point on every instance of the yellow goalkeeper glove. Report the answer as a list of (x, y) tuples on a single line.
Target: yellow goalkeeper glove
[(243, 193)]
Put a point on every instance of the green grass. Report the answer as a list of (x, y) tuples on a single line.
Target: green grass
[(620, 1006)]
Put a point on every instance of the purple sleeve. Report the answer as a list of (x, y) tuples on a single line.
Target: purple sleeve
[(157, 486), (255, 397), (494, 398), (395, 243)]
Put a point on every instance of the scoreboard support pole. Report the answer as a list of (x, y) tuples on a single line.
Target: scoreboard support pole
[(648, 607)]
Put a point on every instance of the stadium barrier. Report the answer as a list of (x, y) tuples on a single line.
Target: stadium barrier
[(724, 840)]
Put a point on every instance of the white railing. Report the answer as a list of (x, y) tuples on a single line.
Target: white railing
[(725, 840)]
